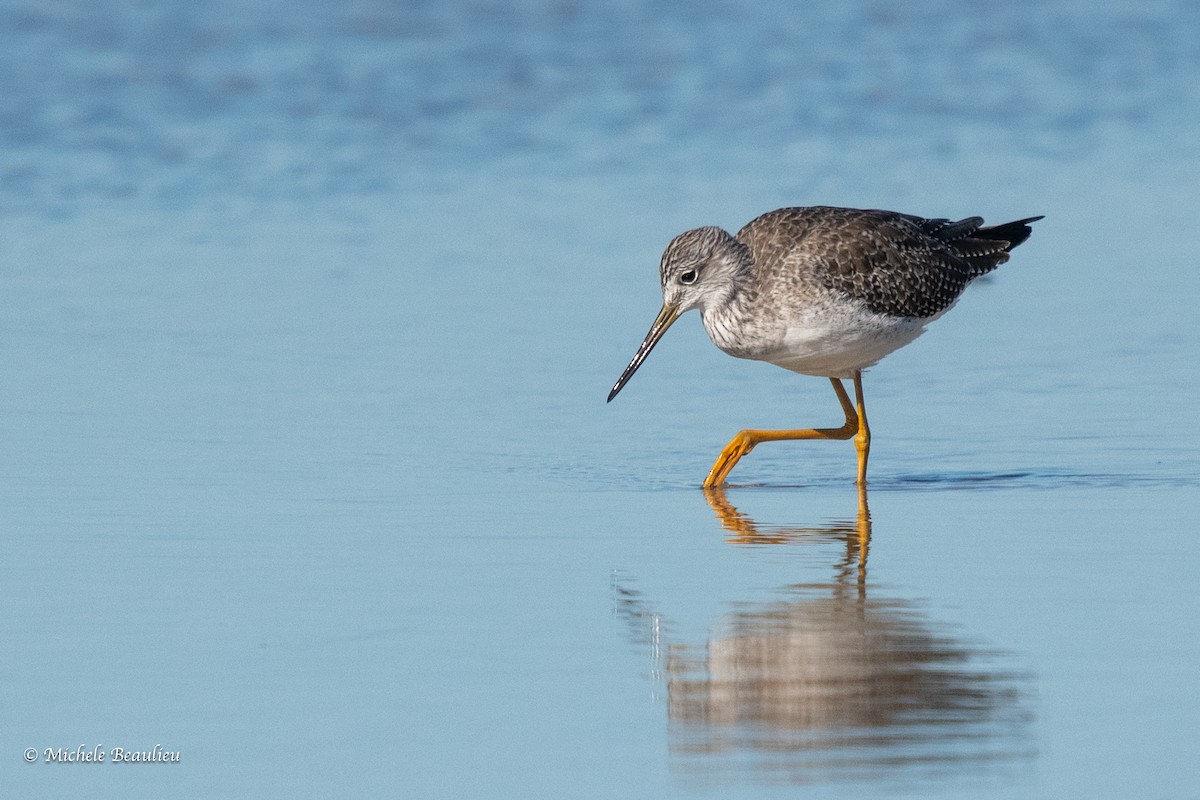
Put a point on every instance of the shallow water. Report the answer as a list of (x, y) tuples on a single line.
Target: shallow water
[(310, 316)]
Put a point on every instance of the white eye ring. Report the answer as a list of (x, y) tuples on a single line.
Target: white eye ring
[(688, 278)]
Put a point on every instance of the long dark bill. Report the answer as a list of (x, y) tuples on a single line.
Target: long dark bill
[(665, 317)]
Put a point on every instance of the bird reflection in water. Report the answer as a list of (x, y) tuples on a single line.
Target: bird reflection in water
[(828, 682)]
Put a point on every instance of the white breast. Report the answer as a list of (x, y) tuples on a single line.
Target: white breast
[(834, 342)]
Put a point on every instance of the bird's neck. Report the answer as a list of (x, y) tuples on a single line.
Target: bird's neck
[(726, 319)]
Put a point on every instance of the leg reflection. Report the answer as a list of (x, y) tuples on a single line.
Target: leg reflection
[(745, 530)]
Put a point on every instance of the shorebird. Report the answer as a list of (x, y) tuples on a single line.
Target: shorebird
[(822, 291)]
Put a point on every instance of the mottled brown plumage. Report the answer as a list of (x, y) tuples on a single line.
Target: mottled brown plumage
[(896, 264)]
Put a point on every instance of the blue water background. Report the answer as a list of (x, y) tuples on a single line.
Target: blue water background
[(309, 316)]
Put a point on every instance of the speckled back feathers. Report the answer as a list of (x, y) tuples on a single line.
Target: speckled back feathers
[(896, 264)]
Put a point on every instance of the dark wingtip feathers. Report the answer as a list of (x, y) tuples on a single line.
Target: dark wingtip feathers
[(1012, 233), (987, 248)]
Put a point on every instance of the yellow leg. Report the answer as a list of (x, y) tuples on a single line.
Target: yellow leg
[(862, 439), (855, 427)]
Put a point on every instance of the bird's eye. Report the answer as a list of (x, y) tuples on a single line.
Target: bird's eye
[(688, 278)]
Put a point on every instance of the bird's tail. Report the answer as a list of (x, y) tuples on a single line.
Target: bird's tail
[(1013, 233), (984, 249)]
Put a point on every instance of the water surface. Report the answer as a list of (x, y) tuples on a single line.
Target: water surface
[(308, 476)]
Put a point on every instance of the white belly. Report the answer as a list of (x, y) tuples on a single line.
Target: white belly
[(837, 351), (830, 342)]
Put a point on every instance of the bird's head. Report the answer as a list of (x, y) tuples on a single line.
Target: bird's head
[(699, 269)]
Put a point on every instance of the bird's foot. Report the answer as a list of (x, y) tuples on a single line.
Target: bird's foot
[(738, 446)]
